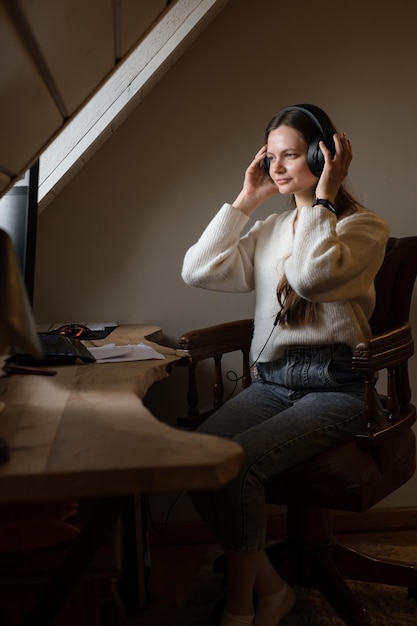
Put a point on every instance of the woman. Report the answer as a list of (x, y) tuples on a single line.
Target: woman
[(312, 269)]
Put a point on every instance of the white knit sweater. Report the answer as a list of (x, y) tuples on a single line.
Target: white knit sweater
[(328, 261)]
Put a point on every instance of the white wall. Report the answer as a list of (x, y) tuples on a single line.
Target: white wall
[(111, 245)]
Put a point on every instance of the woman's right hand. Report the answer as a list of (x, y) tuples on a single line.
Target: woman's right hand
[(257, 185)]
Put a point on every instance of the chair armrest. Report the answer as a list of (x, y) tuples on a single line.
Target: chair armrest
[(383, 351), (213, 341), (391, 351)]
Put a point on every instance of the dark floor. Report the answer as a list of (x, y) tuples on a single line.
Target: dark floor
[(173, 569)]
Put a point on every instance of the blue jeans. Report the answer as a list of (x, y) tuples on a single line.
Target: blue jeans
[(296, 407)]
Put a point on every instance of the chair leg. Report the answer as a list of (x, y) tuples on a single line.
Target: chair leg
[(315, 568), (333, 587), (355, 565), (311, 557)]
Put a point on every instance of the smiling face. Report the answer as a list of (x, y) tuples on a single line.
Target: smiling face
[(287, 152)]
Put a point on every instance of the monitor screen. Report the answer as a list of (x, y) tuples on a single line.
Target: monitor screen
[(17, 324), (18, 217)]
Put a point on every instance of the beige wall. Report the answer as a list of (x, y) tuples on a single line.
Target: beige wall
[(115, 237)]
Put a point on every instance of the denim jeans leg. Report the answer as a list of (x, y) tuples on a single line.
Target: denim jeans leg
[(301, 405), (249, 408)]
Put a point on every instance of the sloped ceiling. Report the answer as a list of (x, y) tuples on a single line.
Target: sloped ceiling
[(56, 54)]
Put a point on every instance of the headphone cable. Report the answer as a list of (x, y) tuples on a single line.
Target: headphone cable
[(235, 379)]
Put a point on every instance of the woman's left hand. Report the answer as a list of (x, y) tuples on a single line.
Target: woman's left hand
[(335, 169)]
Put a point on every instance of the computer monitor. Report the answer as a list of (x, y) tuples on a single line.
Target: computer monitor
[(18, 217), (17, 324), (18, 223)]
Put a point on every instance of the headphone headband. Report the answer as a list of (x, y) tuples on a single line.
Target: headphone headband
[(317, 115)]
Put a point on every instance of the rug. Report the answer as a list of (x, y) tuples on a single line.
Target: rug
[(387, 605)]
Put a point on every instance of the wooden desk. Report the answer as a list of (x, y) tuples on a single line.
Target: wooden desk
[(85, 432)]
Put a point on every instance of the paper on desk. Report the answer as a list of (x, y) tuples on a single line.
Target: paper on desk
[(110, 353)]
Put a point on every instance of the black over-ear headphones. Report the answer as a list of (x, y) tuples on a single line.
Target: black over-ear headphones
[(325, 133)]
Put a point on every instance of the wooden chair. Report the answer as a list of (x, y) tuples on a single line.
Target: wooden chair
[(352, 476)]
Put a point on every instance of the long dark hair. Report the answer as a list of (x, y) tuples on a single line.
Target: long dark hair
[(295, 310)]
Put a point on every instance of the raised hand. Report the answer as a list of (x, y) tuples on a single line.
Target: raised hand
[(257, 185), (335, 169)]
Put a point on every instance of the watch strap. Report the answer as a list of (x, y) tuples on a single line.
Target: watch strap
[(326, 203)]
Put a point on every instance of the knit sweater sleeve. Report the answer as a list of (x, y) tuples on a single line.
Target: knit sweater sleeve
[(222, 260), (335, 260)]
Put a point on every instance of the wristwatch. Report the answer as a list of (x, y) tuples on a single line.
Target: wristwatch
[(325, 203)]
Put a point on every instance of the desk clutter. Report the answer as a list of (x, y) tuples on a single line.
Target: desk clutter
[(80, 330), (64, 345), (57, 350), (60, 344)]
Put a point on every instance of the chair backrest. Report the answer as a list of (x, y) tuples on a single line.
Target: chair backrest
[(394, 285)]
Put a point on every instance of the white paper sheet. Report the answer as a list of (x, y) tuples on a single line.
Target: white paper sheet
[(110, 353)]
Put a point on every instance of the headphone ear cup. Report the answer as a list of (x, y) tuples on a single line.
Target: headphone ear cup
[(267, 164), (315, 157)]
